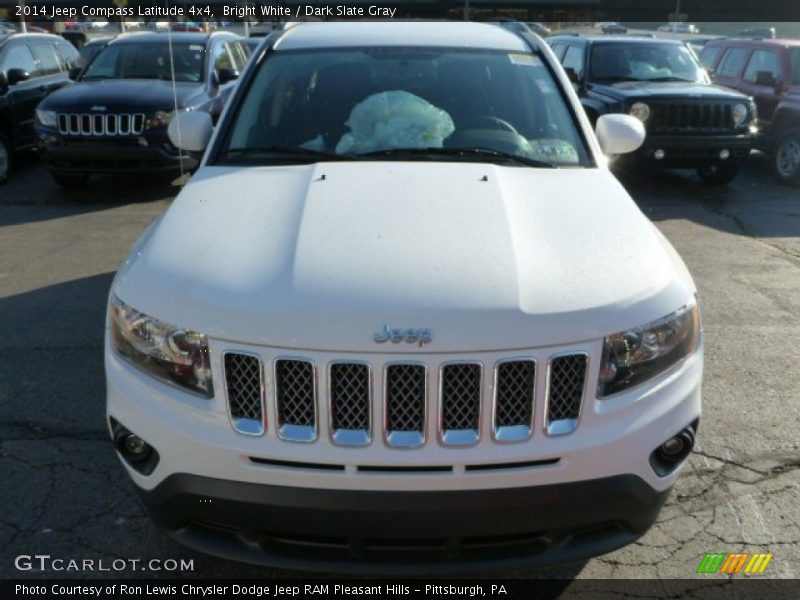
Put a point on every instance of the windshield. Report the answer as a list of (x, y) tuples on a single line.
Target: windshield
[(404, 104), (794, 61), (643, 62), (148, 61)]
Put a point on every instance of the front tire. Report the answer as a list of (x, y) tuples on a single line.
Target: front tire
[(5, 158), (720, 174), (786, 157), (69, 181)]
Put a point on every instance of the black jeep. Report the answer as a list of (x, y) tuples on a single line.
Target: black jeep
[(690, 122)]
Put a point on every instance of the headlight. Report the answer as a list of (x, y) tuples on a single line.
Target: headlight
[(47, 118), (160, 118), (640, 110), (739, 114), (634, 356), (167, 352)]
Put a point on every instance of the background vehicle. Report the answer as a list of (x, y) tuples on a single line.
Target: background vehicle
[(114, 117), (757, 32), (613, 27), (31, 67), (769, 71), (680, 28), (691, 123)]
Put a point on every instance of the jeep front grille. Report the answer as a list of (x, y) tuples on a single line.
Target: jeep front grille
[(687, 117), (296, 397), (461, 403), (100, 124), (565, 385), (405, 397), (515, 382), (401, 404), (349, 386), (244, 382)]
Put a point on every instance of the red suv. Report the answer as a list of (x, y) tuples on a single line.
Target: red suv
[(769, 71)]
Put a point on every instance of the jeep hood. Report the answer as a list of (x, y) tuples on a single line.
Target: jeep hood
[(141, 95), (323, 256), (673, 89)]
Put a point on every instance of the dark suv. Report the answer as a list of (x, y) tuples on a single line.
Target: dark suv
[(31, 66), (115, 117), (690, 122), (769, 71)]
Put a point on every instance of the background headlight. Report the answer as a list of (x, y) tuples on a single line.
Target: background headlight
[(640, 110), (160, 118), (634, 356), (169, 353), (47, 117), (739, 113)]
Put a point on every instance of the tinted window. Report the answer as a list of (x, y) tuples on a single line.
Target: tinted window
[(358, 101), (19, 56), (558, 50), (148, 61), (762, 60), (222, 59), (794, 61), (644, 62), (68, 55), (48, 61), (732, 62), (239, 55), (709, 56), (573, 59)]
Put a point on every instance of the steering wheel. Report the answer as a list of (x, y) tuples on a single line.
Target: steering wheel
[(482, 121)]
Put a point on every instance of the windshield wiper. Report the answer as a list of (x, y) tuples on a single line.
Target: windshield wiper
[(670, 78), (282, 153), (477, 154)]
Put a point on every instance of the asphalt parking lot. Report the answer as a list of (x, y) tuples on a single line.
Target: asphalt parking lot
[(65, 495)]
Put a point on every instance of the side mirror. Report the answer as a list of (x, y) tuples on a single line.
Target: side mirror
[(74, 73), (16, 75), (571, 74), (619, 134), (190, 131), (765, 78), (226, 74)]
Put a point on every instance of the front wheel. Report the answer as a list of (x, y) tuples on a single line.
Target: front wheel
[(69, 180), (786, 157), (718, 174)]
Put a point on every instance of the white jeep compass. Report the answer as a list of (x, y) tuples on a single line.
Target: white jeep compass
[(403, 318)]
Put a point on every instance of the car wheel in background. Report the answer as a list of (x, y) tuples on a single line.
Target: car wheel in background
[(69, 180), (720, 174), (786, 157), (5, 158)]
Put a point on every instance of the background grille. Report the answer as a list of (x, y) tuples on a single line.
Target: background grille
[(685, 117), (461, 398), (350, 396), (244, 384), (296, 399), (405, 398), (100, 124), (515, 385), (565, 390)]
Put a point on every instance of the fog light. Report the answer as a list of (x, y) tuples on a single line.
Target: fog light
[(671, 453), (659, 154), (672, 446), (135, 446), (724, 154)]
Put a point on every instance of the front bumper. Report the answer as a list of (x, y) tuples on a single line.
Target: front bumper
[(404, 531), (264, 500), (152, 153), (689, 152)]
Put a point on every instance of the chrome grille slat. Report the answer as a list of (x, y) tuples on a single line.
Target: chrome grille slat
[(349, 386), (515, 382), (460, 393), (565, 386), (100, 125), (405, 398), (296, 399), (244, 383)]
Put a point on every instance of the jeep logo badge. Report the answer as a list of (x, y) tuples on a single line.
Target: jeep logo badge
[(398, 334)]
